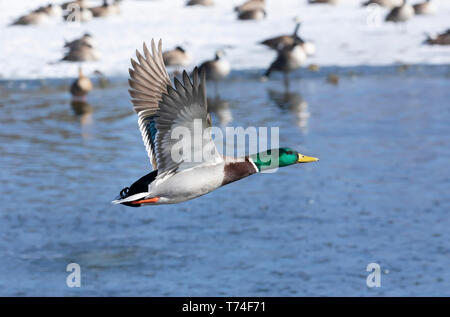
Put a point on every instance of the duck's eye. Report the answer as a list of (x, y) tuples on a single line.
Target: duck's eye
[(289, 152)]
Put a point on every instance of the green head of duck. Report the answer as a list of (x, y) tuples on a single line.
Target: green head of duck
[(281, 157)]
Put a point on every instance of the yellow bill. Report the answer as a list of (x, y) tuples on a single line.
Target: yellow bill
[(306, 159)]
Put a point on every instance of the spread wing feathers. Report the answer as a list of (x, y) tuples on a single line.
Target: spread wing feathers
[(148, 82), (181, 121)]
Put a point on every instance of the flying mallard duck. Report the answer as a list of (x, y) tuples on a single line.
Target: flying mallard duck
[(163, 107)]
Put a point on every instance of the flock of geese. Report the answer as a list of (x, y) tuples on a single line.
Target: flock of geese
[(72, 11), (292, 50)]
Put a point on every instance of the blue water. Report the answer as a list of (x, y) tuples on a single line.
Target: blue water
[(380, 193)]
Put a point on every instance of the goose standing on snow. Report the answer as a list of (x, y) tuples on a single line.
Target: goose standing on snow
[(441, 39), (401, 13), (426, 8), (200, 2), (162, 107), (85, 52), (251, 5), (279, 42), (51, 10), (105, 10), (81, 86), (177, 57), (289, 58), (80, 14), (323, 1), (31, 19), (216, 69), (256, 14), (384, 3), (87, 38), (70, 5)]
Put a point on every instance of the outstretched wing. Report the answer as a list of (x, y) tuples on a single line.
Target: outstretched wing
[(172, 120), (183, 123), (149, 81)]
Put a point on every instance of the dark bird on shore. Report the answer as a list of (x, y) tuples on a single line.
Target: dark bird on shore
[(31, 19), (177, 57), (85, 52), (440, 39), (81, 86), (384, 3), (106, 9), (401, 13), (256, 14), (290, 58), (87, 38), (279, 42), (425, 8), (251, 5), (216, 69), (200, 2)]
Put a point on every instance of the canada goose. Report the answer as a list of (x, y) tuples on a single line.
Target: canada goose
[(51, 10), (384, 3), (31, 18), (85, 39), (177, 57), (78, 15), (81, 86), (441, 39), (279, 42), (401, 13), (200, 2), (74, 4), (251, 5), (85, 52), (257, 14), (425, 8), (216, 69), (289, 59), (323, 1), (105, 9)]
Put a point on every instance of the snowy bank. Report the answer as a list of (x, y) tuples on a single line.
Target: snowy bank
[(345, 35)]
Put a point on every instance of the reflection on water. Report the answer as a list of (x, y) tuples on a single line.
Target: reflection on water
[(306, 230), (220, 108), (84, 111), (293, 102)]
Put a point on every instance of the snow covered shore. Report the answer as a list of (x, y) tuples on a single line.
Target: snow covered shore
[(345, 35)]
